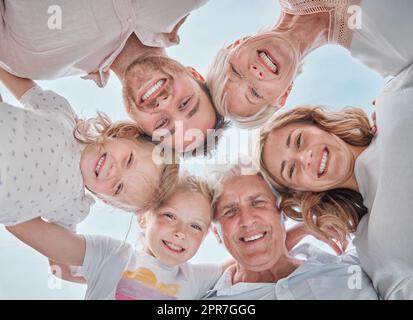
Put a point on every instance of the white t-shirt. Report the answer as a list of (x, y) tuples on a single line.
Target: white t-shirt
[(384, 173), (384, 41), (321, 276), (116, 270), (50, 39), (39, 162)]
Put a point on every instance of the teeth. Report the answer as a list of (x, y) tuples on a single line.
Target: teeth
[(102, 158), (173, 247), (268, 61), (252, 238), (323, 162), (153, 89)]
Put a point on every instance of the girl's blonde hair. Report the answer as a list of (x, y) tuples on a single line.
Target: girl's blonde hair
[(98, 130), (333, 213)]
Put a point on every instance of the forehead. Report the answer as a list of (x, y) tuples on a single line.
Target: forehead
[(236, 100), (190, 205), (244, 186)]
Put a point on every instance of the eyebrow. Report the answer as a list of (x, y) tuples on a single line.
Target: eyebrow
[(194, 109), (288, 145)]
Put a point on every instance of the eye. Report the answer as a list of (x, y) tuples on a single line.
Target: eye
[(255, 93), (258, 203), (291, 172), (196, 227), (299, 140), (162, 123), (130, 161), (169, 215), (229, 212), (235, 71), (184, 104), (119, 189)]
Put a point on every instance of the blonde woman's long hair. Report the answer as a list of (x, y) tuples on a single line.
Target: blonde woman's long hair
[(101, 128), (335, 213)]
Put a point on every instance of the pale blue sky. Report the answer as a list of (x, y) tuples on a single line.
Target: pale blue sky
[(330, 77)]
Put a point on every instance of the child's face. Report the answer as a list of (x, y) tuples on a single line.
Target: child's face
[(174, 233), (120, 169)]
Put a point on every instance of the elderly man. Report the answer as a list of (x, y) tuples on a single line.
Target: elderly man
[(55, 38), (247, 221)]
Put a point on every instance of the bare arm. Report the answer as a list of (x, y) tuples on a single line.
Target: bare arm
[(63, 271), (17, 86), (51, 240)]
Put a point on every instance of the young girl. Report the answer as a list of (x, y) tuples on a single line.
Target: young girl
[(173, 232), (48, 157)]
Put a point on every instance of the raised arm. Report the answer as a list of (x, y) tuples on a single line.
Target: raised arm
[(51, 240), (17, 86)]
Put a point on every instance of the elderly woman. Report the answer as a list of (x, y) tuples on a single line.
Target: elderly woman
[(339, 179), (252, 78), (248, 222)]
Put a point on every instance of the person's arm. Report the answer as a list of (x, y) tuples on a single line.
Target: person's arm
[(51, 240), (300, 231), (63, 272), (17, 86)]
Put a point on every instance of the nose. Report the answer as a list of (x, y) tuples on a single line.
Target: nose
[(256, 71), (162, 102), (180, 233), (246, 217), (306, 157)]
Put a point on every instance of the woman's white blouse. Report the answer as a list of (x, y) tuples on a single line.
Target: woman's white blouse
[(384, 172)]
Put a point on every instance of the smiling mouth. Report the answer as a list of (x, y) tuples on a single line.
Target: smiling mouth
[(153, 90), (268, 61), (253, 238), (173, 247), (322, 168), (100, 163)]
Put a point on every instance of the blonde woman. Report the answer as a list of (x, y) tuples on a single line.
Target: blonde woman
[(252, 78), (339, 179)]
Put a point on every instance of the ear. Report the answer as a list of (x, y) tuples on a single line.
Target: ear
[(280, 101), (195, 74), (141, 220), (216, 233)]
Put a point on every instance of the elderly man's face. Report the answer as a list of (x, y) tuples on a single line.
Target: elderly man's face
[(249, 223)]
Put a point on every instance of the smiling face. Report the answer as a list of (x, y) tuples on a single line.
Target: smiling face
[(249, 223), (121, 169), (260, 71), (165, 93), (175, 231), (304, 157)]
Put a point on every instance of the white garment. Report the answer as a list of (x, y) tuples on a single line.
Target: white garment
[(322, 276), (92, 33), (384, 41), (384, 173), (116, 270), (39, 162)]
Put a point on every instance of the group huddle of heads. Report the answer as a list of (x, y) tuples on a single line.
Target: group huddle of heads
[(247, 85)]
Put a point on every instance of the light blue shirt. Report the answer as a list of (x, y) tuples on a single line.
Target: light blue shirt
[(321, 276)]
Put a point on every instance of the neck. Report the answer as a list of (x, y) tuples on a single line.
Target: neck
[(133, 50), (351, 182), (306, 32), (281, 269)]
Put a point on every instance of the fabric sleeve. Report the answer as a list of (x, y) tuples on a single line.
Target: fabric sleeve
[(46, 100), (403, 81), (105, 260), (204, 277)]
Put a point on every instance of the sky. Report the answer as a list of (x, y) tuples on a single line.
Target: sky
[(330, 77)]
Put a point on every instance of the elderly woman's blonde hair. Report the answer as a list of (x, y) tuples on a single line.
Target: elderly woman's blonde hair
[(217, 78), (335, 213), (98, 130)]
